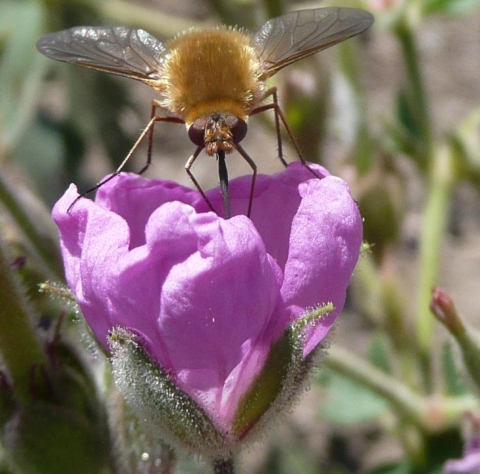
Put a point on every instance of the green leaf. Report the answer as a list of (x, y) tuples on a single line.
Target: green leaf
[(21, 67), (378, 354), (349, 402)]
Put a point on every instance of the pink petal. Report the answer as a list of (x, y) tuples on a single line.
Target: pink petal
[(324, 248)]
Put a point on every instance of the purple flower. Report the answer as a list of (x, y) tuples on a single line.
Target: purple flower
[(470, 463), (207, 297)]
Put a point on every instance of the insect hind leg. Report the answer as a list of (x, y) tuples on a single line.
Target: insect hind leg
[(154, 118), (145, 131), (280, 117), (276, 108)]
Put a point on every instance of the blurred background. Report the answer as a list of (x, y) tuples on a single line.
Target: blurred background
[(394, 112)]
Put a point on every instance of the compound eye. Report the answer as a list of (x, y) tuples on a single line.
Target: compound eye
[(196, 132), (238, 127)]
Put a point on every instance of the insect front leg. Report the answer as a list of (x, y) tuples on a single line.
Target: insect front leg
[(188, 165), (253, 165)]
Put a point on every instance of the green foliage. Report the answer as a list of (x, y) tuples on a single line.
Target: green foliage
[(349, 402), (456, 7), (21, 68), (378, 354)]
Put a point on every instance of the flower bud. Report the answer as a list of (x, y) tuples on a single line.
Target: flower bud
[(468, 338), (381, 200)]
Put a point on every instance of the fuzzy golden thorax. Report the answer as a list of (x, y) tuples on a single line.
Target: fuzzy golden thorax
[(209, 72)]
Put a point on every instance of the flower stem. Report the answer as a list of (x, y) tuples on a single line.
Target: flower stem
[(442, 178), (417, 94), (223, 465), (405, 402), (19, 347), (428, 415)]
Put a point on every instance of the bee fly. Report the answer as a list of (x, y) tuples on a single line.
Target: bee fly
[(210, 80)]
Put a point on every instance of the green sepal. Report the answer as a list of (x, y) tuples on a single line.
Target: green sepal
[(282, 360), (61, 292), (281, 380), (170, 415)]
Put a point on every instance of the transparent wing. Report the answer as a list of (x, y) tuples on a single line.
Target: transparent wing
[(288, 38), (118, 50)]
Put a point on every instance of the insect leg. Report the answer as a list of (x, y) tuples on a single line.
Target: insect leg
[(158, 118), (279, 115), (273, 92), (148, 129), (188, 165), (153, 114), (253, 165)]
